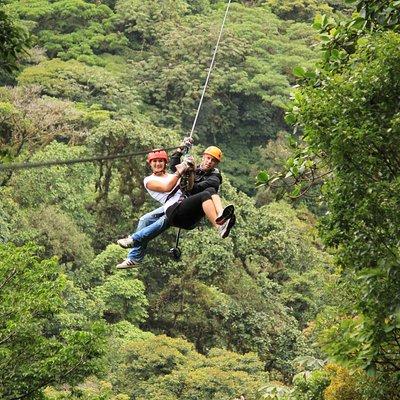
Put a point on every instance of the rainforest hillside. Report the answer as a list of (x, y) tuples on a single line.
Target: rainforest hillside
[(301, 301)]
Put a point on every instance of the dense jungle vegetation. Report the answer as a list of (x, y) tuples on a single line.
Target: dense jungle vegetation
[(302, 301)]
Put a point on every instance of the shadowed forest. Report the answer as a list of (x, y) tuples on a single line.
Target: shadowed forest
[(301, 301)]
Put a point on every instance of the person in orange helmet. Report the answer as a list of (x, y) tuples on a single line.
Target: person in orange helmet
[(207, 173), (178, 210)]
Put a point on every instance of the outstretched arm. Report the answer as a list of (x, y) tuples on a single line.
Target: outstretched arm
[(164, 184)]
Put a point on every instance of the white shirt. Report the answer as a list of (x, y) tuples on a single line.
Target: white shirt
[(162, 196)]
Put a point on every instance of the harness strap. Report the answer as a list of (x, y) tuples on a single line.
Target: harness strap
[(173, 192)]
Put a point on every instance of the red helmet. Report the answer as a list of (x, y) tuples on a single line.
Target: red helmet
[(157, 153)]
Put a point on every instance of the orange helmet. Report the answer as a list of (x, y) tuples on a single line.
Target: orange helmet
[(157, 153), (214, 152)]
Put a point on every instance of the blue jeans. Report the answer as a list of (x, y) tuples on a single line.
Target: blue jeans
[(149, 226)]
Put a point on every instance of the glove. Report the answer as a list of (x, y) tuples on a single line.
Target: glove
[(190, 161), (182, 168), (187, 142)]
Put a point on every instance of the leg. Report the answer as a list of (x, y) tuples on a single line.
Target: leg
[(210, 211), (217, 203), (149, 218), (190, 210), (143, 236), (193, 208), (144, 221)]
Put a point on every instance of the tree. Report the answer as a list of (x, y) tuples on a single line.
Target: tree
[(72, 29), (36, 350), (302, 10), (123, 298), (165, 368), (350, 116), (75, 81), (14, 40), (29, 122), (142, 21), (68, 187)]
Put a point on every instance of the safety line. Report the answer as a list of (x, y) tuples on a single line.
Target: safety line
[(210, 69), (40, 164)]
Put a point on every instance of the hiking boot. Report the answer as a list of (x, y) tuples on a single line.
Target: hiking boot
[(127, 264), (125, 242), (224, 229), (227, 213)]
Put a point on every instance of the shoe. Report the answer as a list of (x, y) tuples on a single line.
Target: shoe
[(125, 242), (225, 215), (127, 264), (224, 229)]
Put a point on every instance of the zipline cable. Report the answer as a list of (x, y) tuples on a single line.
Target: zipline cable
[(40, 164), (210, 69), (175, 251)]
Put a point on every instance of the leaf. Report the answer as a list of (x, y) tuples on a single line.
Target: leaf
[(263, 177), (310, 74), (299, 72), (296, 191), (290, 118)]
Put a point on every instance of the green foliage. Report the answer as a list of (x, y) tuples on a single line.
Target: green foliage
[(247, 72), (105, 261), (72, 29), (66, 186), (340, 37), (356, 109), (29, 122), (166, 368), (303, 10), (123, 298), (311, 387), (143, 20), (70, 245), (72, 80), (343, 386), (253, 292), (92, 389), (13, 220), (35, 349), (13, 41)]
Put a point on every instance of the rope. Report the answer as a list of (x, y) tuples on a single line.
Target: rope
[(176, 251), (210, 69), (40, 164)]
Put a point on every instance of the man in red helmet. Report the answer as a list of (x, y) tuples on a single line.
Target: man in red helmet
[(164, 188)]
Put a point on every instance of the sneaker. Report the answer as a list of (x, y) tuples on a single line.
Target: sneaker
[(226, 227), (225, 215), (125, 242), (127, 264)]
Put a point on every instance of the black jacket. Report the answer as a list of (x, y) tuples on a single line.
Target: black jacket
[(202, 179)]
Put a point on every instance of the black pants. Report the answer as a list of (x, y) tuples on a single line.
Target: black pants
[(188, 212)]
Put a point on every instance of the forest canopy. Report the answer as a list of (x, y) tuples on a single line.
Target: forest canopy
[(301, 301)]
